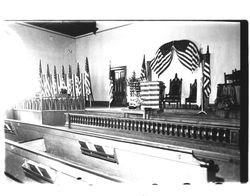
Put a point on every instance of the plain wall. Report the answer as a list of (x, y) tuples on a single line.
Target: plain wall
[(126, 46), (25, 46)]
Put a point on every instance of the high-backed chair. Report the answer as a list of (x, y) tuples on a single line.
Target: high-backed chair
[(192, 95), (174, 95)]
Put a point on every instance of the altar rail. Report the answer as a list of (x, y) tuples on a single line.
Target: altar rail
[(220, 134), (49, 103)]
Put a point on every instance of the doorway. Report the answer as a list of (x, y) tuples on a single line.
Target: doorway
[(119, 75)]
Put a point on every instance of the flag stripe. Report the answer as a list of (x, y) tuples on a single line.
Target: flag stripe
[(206, 80), (166, 65)]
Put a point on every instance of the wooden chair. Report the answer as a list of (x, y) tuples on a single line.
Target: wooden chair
[(174, 95), (228, 78), (192, 95), (236, 76)]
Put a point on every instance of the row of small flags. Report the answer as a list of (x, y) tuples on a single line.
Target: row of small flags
[(74, 85)]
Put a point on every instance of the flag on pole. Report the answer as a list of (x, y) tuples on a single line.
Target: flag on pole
[(70, 83), (111, 85), (41, 81), (143, 70), (87, 82), (206, 78), (48, 83), (55, 82), (78, 84)]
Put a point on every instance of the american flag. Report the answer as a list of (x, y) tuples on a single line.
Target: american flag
[(78, 85), (70, 83), (47, 86), (188, 54), (206, 79), (55, 82), (162, 59), (111, 86), (41, 81), (87, 83), (143, 70), (186, 51), (78, 81)]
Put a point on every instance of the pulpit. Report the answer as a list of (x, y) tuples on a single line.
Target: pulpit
[(152, 94)]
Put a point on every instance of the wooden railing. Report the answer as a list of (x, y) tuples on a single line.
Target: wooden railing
[(49, 103), (215, 134)]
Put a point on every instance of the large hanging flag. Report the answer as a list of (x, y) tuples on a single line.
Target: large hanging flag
[(206, 78), (143, 70), (111, 85), (187, 53), (87, 82), (162, 59), (41, 81), (70, 83)]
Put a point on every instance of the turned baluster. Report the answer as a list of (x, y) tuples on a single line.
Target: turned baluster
[(136, 126), (112, 123), (157, 128), (121, 124), (147, 126), (125, 124), (203, 133), (97, 121), (227, 132), (143, 126), (92, 120), (191, 132), (108, 122), (178, 130), (167, 129), (139, 125), (162, 128), (174, 130)]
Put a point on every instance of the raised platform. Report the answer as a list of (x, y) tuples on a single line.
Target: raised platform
[(213, 117), (47, 117)]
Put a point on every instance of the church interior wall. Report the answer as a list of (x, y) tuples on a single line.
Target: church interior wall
[(124, 46)]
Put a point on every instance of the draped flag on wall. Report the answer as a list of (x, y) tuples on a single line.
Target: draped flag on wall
[(111, 85), (87, 82), (206, 78), (187, 53), (143, 70)]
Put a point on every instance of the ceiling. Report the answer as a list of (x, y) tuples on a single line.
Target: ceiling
[(70, 28)]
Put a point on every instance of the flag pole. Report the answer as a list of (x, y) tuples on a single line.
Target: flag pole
[(202, 89), (109, 84)]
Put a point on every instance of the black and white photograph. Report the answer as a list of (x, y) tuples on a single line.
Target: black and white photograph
[(111, 102)]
